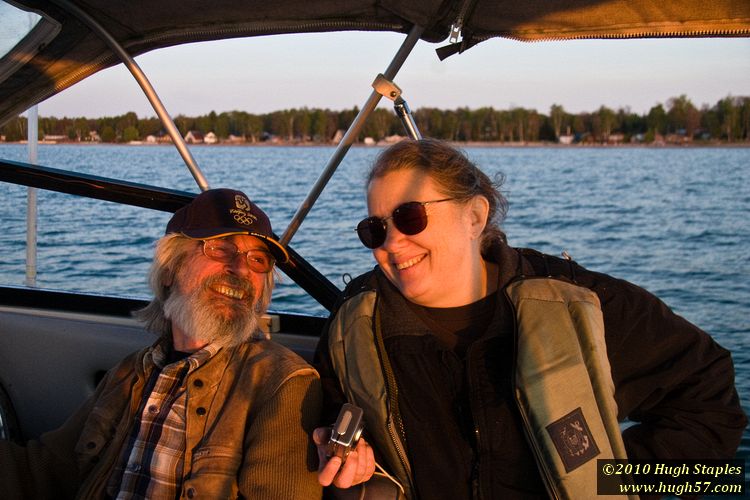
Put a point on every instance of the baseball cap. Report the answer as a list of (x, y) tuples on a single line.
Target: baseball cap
[(217, 213)]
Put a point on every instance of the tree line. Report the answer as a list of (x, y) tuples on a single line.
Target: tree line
[(679, 120)]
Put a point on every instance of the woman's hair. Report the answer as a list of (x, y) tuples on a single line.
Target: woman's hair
[(172, 251), (455, 175)]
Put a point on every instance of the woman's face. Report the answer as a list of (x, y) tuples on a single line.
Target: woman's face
[(442, 265)]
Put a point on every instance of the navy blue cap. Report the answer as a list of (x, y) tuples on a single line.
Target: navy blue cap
[(217, 213)]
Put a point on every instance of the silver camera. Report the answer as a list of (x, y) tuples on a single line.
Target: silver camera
[(345, 432)]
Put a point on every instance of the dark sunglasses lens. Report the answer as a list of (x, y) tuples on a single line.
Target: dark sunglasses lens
[(410, 218), (371, 232)]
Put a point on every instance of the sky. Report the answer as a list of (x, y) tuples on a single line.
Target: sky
[(335, 71)]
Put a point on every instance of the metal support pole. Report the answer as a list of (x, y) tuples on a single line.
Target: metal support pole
[(148, 89), (404, 113), (31, 200), (351, 135), (390, 90)]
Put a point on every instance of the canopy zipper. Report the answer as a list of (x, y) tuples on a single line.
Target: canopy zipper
[(619, 36), (458, 25)]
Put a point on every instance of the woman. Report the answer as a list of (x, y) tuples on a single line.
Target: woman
[(488, 371)]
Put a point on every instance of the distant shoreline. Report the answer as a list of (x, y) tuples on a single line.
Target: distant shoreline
[(469, 144)]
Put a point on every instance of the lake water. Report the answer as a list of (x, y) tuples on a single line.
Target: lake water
[(675, 221)]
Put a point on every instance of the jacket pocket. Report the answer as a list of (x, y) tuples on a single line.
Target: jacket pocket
[(213, 472)]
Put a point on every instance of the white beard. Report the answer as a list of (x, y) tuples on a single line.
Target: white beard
[(196, 317)]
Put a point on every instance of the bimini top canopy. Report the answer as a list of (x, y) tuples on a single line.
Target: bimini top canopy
[(45, 47)]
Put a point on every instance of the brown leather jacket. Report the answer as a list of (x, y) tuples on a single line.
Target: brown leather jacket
[(250, 413)]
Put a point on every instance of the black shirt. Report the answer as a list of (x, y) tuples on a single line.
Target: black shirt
[(431, 352), (457, 327)]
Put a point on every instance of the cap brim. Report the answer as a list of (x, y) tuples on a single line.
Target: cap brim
[(278, 251), (275, 248)]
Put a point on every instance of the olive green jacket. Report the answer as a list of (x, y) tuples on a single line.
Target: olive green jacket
[(562, 378)]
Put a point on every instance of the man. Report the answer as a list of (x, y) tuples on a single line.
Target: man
[(213, 409)]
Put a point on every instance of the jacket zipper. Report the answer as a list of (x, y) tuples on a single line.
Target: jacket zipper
[(395, 424), (475, 486), (396, 438)]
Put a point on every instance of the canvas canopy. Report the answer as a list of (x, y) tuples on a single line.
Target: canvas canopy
[(60, 50)]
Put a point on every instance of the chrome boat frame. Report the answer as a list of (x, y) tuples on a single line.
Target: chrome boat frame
[(55, 346)]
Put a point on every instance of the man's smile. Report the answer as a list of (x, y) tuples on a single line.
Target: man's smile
[(227, 291)]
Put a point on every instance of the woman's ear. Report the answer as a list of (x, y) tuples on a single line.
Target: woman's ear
[(479, 209)]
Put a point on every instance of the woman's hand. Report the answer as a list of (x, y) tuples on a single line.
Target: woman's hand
[(358, 467)]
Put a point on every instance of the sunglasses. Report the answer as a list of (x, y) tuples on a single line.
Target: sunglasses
[(225, 251), (410, 218)]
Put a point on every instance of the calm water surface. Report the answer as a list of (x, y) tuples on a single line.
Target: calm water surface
[(674, 221)]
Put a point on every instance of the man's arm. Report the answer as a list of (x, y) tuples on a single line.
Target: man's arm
[(47, 467), (280, 459)]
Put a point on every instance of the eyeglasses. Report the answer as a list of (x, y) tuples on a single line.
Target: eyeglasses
[(225, 251), (410, 218)]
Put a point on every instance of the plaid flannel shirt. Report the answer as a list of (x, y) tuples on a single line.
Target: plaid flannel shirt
[(151, 464)]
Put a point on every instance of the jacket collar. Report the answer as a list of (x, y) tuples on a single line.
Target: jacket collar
[(509, 261)]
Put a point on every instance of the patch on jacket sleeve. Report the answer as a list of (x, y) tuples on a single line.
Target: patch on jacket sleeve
[(573, 440)]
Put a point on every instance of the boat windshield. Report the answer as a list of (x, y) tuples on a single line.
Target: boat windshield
[(21, 34), (16, 25)]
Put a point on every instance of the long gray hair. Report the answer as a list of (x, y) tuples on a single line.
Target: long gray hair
[(170, 255), (455, 175)]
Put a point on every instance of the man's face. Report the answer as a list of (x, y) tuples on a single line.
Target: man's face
[(215, 300)]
